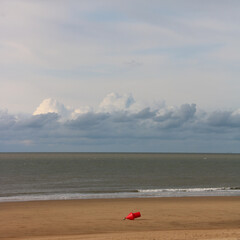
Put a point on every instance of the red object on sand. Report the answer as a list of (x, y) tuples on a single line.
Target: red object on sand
[(137, 214), (132, 216)]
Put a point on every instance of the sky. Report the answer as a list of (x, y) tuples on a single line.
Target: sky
[(120, 76)]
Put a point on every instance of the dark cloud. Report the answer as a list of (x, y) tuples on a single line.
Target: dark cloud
[(145, 130), (224, 119), (88, 120), (177, 117), (146, 113), (6, 120), (48, 120)]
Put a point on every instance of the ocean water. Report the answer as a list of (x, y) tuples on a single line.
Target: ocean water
[(50, 176)]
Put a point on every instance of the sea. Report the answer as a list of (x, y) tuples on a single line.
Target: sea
[(59, 176)]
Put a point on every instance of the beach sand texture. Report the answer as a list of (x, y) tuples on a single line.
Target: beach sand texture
[(162, 218)]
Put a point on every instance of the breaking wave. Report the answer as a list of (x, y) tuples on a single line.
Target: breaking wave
[(188, 189), (140, 193)]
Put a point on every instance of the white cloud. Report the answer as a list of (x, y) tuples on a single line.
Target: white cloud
[(52, 106), (114, 102)]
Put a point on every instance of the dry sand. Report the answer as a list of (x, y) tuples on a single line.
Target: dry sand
[(162, 218)]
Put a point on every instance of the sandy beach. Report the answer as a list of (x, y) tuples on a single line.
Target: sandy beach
[(162, 218)]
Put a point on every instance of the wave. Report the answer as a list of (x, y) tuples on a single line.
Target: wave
[(188, 189), (235, 188), (140, 193)]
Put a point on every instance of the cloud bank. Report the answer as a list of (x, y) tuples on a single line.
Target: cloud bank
[(119, 124)]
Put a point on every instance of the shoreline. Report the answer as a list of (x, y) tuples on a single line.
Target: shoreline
[(122, 198), (138, 193), (163, 218)]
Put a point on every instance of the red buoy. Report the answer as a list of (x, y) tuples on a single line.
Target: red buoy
[(137, 214), (132, 216)]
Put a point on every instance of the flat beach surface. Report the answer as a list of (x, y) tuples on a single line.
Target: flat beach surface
[(162, 218)]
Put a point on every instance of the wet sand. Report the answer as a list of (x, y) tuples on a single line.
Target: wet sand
[(162, 218)]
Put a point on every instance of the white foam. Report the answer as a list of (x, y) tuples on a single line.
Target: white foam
[(141, 193), (182, 190)]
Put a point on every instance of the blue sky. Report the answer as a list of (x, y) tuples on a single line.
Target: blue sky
[(120, 75)]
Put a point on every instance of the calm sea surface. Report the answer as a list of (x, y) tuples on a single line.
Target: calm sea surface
[(44, 176)]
